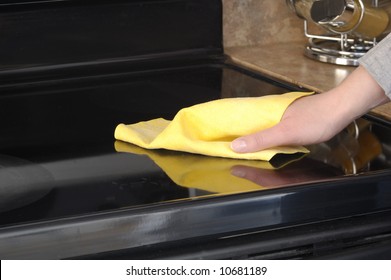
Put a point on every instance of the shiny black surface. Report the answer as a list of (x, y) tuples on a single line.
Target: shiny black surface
[(223, 217), (59, 157), (60, 171), (57, 141)]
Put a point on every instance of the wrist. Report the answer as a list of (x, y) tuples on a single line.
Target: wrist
[(358, 94)]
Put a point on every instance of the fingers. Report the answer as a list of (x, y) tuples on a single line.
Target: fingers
[(305, 121)]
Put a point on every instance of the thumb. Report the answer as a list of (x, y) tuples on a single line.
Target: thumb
[(261, 140)]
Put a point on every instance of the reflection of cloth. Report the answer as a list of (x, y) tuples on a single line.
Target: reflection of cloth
[(209, 128), (210, 174)]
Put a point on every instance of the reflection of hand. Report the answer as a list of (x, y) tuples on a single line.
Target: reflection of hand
[(305, 170), (317, 118), (265, 178)]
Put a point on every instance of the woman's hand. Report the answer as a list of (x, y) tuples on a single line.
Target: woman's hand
[(319, 117)]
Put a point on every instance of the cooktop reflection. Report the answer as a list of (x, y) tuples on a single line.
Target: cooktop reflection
[(58, 156)]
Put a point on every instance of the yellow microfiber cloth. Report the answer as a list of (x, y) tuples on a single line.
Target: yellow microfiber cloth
[(209, 128), (211, 174)]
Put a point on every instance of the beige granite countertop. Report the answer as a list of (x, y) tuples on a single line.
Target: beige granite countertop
[(288, 63)]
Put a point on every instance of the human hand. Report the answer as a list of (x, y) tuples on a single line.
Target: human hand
[(307, 120), (319, 117)]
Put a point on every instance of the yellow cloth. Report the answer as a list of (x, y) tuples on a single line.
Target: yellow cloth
[(209, 128), (211, 174)]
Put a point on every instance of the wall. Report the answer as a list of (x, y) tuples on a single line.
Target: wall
[(254, 22)]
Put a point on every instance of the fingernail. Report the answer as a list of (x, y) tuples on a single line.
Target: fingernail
[(238, 172), (239, 145)]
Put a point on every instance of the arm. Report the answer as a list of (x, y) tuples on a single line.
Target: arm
[(319, 117)]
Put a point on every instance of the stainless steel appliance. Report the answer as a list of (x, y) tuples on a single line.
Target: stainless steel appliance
[(347, 29), (75, 69)]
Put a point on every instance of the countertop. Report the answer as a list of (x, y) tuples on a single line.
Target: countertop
[(288, 63)]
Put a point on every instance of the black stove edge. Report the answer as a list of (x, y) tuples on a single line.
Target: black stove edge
[(108, 67), (365, 237), (201, 218)]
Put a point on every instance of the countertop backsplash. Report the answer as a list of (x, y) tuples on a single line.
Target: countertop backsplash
[(255, 22)]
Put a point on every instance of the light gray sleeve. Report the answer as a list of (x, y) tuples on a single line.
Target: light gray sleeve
[(378, 63)]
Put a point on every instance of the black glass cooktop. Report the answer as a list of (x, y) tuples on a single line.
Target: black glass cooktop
[(58, 156)]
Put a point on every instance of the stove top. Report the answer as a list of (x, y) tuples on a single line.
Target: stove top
[(60, 161), (59, 157)]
